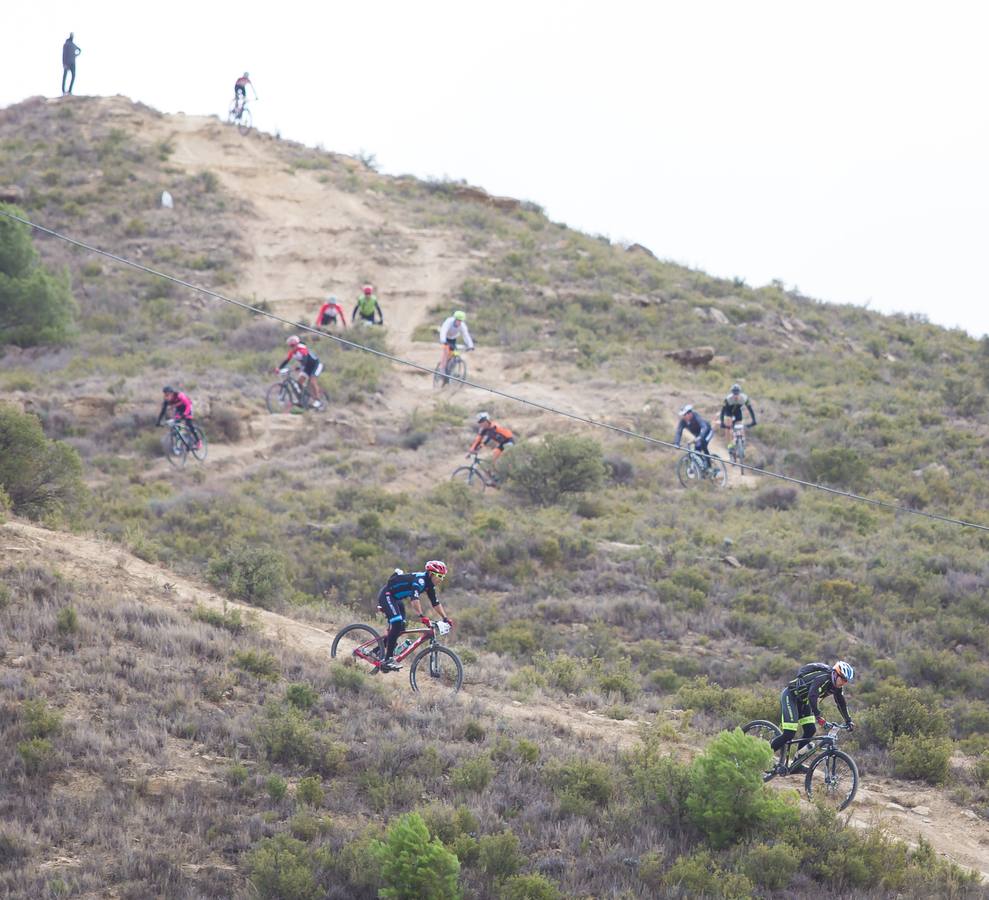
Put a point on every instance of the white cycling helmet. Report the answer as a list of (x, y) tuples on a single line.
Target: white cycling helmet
[(844, 669), (686, 409), (292, 341), (483, 417)]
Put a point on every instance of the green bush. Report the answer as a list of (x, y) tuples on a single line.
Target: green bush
[(284, 735), (67, 621), (581, 785), (237, 774), (544, 473), (37, 755), (38, 720), (473, 774), (41, 478), (301, 696), (499, 855), (727, 799), (773, 866), (529, 887), (901, 710), (230, 619), (413, 865), (836, 467), (657, 780), (255, 575), (276, 786), (283, 868), (261, 663), (921, 757), (36, 307), (310, 791)]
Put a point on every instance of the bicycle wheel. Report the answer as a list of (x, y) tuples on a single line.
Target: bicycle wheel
[(244, 122), (456, 368), (766, 731), (360, 634), (471, 476), (439, 379), (833, 779), (175, 448), (687, 471), (436, 672), (279, 398), (717, 472), (232, 114), (199, 444)]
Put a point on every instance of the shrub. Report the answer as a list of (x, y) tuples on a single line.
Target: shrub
[(921, 757), (301, 696), (981, 770), (37, 754), (230, 619), (237, 774), (36, 307), (276, 786), (581, 785), (499, 855), (256, 575), (38, 720), (258, 662), (284, 735), (413, 865), (67, 621), (698, 875), (310, 791), (727, 799), (658, 781), (902, 710), (777, 497), (836, 466), (473, 774), (544, 473), (529, 887), (226, 425), (283, 868), (474, 732), (40, 478), (772, 867)]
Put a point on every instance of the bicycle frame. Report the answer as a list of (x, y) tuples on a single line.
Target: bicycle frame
[(481, 472), (814, 747), (367, 650)]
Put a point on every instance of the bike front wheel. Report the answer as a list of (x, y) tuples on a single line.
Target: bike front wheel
[(244, 122), (688, 471), (833, 779), (436, 673), (176, 449), (362, 635), (279, 398), (471, 476), (456, 368)]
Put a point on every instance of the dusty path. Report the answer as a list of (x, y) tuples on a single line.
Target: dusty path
[(906, 810)]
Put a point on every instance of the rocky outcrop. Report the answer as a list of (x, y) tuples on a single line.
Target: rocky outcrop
[(692, 356), (639, 248), (479, 195)]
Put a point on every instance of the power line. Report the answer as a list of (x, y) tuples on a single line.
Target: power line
[(883, 504)]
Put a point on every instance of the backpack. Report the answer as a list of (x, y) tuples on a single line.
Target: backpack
[(805, 673)]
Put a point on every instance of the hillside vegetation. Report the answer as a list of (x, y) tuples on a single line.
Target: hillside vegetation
[(611, 595)]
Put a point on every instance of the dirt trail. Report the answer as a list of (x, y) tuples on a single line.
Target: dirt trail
[(904, 809)]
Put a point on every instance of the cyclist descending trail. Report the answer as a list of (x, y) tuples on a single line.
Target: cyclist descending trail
[(402, 586), (179, 407), (312, 368)]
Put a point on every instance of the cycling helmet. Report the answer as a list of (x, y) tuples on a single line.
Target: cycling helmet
[(736, 389), (844, 669), (168, 389), (686, 409), (292, 341), (483, 417), (332, 298), (247, 75), (368, 289), (460, 315), (437, 568)]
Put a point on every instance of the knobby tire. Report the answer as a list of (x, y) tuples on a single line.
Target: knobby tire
[(436, 672), (360, 634), (833, 764), (471, 476)]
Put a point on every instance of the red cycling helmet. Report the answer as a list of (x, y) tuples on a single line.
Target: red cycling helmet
[(368, 289), (436, 567)]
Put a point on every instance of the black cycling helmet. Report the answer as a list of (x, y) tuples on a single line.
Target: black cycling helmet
[(168, 389)]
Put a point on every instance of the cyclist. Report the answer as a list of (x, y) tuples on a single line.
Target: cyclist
[(392, 597), (453, 327), (311, 366), (799, 702), (328, 313), (181, 411), (368, 307), (699, 427), (489, 432), (240, 92), (733, 406)]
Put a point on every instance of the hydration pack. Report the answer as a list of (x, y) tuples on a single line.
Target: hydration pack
[(805, 673)]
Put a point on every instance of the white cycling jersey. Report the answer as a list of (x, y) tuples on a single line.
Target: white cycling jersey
[(453, 328)]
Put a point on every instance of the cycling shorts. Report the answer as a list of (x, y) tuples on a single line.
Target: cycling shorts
[(392, 607), (451, 343), (312, 367), (328, 319), (794, 711)]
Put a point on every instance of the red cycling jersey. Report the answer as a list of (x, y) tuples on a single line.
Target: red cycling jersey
[(328, 310)]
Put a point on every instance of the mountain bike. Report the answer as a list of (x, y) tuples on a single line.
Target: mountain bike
[(182, 439), (288, 394), (475, 475), (736, 444), (701, 468), (436, 671), (240, 115), (455, 367), (831, 774)]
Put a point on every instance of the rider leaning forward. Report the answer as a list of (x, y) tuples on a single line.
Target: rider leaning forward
[(404, 586)]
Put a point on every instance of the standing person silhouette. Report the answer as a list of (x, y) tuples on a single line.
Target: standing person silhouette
[(69, 53)]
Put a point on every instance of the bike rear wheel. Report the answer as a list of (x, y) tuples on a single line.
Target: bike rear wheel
[(199, 444), (833, 779), (717, 471), (436, 673), (279, 398), (360, 634), (688, 471), (244, 122), (471, 476), (176, 448), (767, 731)]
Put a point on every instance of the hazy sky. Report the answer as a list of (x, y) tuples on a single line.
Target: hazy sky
[(840, 147)]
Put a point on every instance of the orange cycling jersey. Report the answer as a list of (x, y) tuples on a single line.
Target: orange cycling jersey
[(492, 432)]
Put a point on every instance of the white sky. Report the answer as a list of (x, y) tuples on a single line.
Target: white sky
[(841, 147)]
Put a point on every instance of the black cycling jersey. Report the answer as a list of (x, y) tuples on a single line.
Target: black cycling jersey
[(814, 686), (733, 408), (391, 598)]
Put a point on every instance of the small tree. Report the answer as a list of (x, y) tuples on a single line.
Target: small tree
[(413, 865), (41, 478), (253, 574), (544, 473), (36, 307)]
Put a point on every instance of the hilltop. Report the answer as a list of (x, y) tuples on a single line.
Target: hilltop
[(578, 618)]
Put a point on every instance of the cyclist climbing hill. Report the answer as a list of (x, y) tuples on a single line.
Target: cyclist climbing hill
[(698, 426), (452, 328), (181, 410), (733, 406), (367, 307), (489, 432), (240, 90), (328, 313), (799, 702), (311, 366), (391, 601)]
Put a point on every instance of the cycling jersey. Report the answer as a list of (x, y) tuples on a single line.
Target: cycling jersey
[(367, 307), (307, 359), (699, 427), (813, 683), (492, 432), (391, 600), (328, 313), (733, 406), (182, 408), (453, 328)]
